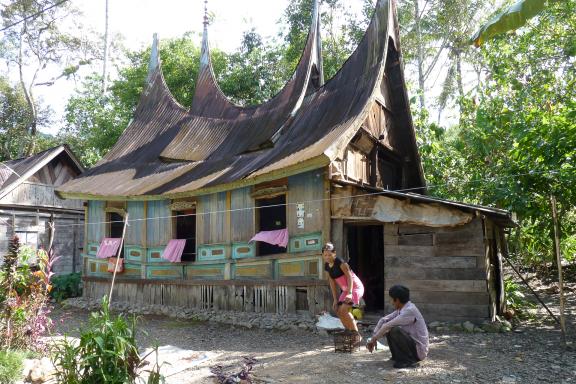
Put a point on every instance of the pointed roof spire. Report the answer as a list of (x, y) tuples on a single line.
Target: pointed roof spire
[(154, 62), (205, 14), (318, 59), (205, 52)]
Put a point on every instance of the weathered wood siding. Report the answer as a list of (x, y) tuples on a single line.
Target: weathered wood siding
[(211, 219), (444, 268), (240, 296), (242, 215), (33, 225), (38, 195), (135, 232), (96, 227), (159, 223), (307, 188)]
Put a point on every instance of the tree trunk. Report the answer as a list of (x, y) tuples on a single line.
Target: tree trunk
[(106, 44), (417, 24), (29, 96)]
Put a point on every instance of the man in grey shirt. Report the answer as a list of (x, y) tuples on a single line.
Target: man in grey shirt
[(405, 330)]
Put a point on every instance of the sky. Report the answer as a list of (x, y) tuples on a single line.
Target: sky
[(137, 20)]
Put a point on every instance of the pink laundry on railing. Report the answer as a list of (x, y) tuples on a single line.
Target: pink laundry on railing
[(108, 247), (173, 251), (278, 237)]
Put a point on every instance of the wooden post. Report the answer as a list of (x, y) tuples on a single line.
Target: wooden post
[(559, 261), (118, 258)]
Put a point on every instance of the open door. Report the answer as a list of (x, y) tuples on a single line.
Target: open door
[(366, 253)]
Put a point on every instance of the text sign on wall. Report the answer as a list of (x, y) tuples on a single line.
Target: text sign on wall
[(300, 215)]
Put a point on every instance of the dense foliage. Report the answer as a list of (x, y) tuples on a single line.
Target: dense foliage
[(66, 286), (11, 365), (106, 353), (24, 288), (516, 143)]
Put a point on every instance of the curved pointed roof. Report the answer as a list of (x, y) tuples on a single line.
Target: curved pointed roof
[(168, 151)]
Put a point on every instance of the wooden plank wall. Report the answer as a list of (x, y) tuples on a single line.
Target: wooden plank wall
[(242, 221), (68, 238), (211, 227), (96, 228), (444, 268), (38, 195), (306, 187), (159, 223), (241, 297), (135, 232)]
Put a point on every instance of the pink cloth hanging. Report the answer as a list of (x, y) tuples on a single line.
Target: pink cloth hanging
[(278, 237), (108, 247), (173, 251)]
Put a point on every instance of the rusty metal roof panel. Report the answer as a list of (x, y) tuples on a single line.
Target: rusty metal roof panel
[(168, 150)]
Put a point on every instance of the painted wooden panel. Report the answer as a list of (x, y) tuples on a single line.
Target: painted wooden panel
[(97, 267), (211, 252), (134, 232), (165, 272), (95, 221), (213, 271), (304, 243), (92, 249), (242, 215), (243, 250), (154, 255), (131, 270), (307, 188), (305, 267), (211, 218), (159, 224), (257, 270), (134, 253)]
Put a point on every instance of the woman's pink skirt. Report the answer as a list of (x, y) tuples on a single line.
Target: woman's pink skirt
[(357, 291)]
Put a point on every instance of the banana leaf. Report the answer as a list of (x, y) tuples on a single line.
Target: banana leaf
[(510, 19)]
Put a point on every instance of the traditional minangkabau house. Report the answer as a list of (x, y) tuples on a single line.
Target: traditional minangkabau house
[(319, 161), (28, 205)]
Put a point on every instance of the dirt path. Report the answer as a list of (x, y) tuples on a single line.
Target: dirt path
[(532, 355)]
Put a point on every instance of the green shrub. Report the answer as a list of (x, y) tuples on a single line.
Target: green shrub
[(11, 364), (105, 353), (66, 286), (516, 300)]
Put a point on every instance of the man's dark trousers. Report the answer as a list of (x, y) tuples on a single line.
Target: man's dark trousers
[(402, 346)]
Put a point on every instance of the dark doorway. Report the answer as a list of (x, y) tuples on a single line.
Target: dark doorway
[(186, 230), (116, 227), (270, 216), (366, 251)]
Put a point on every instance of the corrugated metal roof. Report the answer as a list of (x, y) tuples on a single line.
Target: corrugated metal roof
[(168, 150)]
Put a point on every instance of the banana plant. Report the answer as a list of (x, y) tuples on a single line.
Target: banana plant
[(513, 17)]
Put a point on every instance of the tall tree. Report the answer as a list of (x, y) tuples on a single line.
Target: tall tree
[(33, 42)]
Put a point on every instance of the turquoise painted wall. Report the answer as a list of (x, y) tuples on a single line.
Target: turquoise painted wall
[(95, 221), (159, 223)]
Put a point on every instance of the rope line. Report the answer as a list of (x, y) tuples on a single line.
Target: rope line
[(297, 203)]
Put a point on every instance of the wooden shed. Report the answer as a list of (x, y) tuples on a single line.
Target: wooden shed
[(325, 161), (28, 204)]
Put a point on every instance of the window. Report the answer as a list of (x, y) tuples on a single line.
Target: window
[(270, 216), (186, 230), (116, 227), (29, 238)]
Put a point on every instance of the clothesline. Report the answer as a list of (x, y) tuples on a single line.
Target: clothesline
[(368, 194)]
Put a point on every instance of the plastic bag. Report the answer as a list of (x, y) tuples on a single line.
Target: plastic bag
[(325, 321)]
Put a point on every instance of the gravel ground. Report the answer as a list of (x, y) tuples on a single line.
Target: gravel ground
[(530, 354)]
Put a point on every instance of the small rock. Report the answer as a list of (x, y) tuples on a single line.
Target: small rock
[(434, 324)]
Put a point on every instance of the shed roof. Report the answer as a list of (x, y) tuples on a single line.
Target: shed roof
[(15, 172), (169, 151)]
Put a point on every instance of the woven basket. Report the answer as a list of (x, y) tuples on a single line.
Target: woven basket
[(346, 342)]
